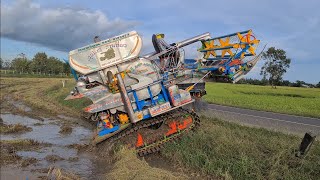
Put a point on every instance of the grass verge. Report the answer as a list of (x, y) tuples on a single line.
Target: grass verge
[(58, 93), (128, 166), (230, 150), (289, 100), (44, 94)]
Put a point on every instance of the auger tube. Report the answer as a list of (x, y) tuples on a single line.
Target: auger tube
[(186, 42), (125, 99), (194, 39)]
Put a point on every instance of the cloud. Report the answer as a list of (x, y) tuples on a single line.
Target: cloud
[(291, 25), (61, 29)]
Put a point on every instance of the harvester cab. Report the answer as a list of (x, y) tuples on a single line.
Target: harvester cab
[(138, 98)]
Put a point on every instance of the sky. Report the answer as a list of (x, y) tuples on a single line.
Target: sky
[(57, 27)]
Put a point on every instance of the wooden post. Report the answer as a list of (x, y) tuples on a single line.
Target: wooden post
[(63, 83)]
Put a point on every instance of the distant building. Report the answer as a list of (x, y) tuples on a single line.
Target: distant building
[(305, 86)]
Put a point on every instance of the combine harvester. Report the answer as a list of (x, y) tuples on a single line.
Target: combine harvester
[(140, 98)]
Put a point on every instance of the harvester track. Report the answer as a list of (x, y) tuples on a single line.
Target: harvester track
[(158, 144)]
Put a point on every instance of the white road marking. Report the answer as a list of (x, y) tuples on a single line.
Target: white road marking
[(266, 118), (266, 112)]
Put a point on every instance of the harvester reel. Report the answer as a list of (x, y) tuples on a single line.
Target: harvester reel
[(247, 41)]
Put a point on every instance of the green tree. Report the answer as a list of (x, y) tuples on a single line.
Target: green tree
[(276, 64), (318, 85), (299, 83), (285, 83), (55, 66), (20, 65), (66, 68), (39, 63)]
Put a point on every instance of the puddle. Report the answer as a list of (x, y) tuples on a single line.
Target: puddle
[(83, 164), (18, 174), (48, 132), (61, 151), (86, 165), (15, 119)]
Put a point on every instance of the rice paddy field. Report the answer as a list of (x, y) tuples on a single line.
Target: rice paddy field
[(288, 100)]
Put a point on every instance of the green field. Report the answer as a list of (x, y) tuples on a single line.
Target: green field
[(289, 100)]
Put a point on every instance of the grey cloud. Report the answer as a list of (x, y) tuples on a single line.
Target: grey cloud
[(61, 29), (291, 25)]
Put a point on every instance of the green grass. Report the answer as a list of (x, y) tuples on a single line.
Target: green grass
[(45, 94), (233, 151), (58, 93), (289, 100), (11, 73), (129, 166)]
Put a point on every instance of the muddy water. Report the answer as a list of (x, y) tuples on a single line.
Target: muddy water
[(86, 164), (47, 131)]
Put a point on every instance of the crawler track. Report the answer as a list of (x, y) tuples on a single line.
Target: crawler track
[(163, 120)]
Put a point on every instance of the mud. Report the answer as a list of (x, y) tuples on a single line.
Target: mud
[(28, 161), (13, 172), (57, 173), (16, 107), (17, 128), (60, 141), (62, 152), (65, 129), (53, 158)]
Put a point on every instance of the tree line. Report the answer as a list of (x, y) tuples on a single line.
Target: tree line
[(276, 64), (39, 64), (265, 82)]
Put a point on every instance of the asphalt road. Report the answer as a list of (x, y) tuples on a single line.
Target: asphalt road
[(275, 121)]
